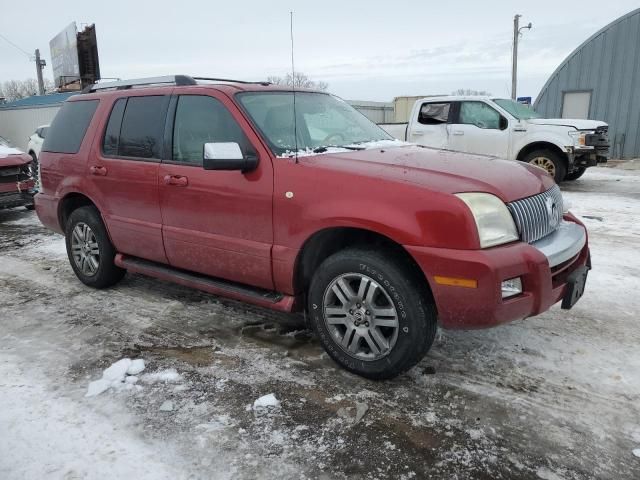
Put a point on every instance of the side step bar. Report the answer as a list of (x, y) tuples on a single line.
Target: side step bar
[(223, 288)]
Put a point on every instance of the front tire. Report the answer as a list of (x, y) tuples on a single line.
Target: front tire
[(550, 161), (89, 249), (370, 314), (576, 174)]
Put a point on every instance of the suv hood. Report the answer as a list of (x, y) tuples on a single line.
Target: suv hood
[(441, 170), (568, 122)]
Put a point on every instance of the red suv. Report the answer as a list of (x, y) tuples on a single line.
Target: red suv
[(296, 202)]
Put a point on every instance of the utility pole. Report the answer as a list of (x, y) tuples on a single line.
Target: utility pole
[(40, 64), (514, 61)]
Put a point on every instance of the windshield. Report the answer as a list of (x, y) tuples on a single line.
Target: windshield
[(323, 121), (518, 110), (5, 142)]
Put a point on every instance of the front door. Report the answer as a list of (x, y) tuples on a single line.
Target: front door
[(430, 129), (479, 128), (123, 176), (215, 222)]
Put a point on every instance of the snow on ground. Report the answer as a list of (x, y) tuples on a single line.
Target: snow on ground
[(555, 397)]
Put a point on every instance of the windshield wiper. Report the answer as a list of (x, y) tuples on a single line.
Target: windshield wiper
[(325, 148)]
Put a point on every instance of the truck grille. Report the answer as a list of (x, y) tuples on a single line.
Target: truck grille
[(539, 215)]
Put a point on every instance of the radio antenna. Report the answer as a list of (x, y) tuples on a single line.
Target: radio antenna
[(293, 86)]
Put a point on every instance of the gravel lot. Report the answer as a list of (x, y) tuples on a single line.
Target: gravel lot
[(552, 397)]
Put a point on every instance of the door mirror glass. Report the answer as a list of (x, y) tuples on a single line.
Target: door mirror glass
[(504, 123), (227, 156), (222, 151)]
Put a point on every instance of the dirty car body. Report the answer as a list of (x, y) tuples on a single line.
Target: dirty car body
[(16, 182), (377, 240)]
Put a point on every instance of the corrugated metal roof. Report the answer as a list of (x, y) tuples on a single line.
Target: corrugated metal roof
[(607, 67), (38, 100)]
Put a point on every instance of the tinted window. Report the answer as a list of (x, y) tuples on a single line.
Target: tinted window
[(434, 113), (201, 120), (69, 126), (112, 133), (142, 127), (479, 114)]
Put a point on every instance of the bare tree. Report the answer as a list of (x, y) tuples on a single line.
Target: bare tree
[(298, 80), (16, 89), (470, 93)]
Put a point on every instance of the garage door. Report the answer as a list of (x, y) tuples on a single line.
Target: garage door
[(576, 104)]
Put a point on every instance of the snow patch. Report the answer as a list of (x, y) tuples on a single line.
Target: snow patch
[(135, 367), (636, 452), (309, 152), (266, 402), (170, 375)]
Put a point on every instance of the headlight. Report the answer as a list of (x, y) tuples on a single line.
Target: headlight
[(579, 138), (493, 219)]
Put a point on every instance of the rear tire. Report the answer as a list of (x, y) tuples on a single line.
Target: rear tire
[(576, 174), (370, 314), (550, 161), (89, 249)]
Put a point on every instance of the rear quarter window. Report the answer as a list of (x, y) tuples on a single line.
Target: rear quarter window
[(68, 128)]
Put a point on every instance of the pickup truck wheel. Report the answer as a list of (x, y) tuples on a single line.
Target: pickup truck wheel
[(550, 161), (369, 314), (576, 174), (89, 249)]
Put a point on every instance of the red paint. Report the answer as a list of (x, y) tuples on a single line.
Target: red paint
[(245, 227), (9, 189)]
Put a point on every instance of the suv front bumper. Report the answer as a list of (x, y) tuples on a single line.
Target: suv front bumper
[(544, 269)]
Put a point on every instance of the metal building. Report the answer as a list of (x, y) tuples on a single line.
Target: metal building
[(19, 119), (600, 80), (377, 112)]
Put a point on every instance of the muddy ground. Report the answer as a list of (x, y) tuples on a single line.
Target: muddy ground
[(552, 397)]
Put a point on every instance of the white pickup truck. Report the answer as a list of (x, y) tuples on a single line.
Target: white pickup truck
[(507, 129)]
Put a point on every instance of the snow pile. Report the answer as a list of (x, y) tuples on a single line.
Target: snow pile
[(636, 452), (120, 374), (266, 403)]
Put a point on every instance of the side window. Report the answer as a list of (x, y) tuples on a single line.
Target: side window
[(434, 113), (199, 120), (38, 132), (142, 127), (112, 133), (69, 126), (479, 114), (43, 132)]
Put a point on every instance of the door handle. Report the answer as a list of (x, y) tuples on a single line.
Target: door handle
[(458, 132), (418, 133), (98, 170), (176, 180)]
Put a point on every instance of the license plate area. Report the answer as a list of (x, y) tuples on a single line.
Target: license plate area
[(575, 287)]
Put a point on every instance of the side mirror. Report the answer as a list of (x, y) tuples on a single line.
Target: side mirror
[(504, 123), (227, 156)]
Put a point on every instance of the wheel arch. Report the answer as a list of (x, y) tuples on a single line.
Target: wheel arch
[(70, 202), (541, 145), (328, 241)]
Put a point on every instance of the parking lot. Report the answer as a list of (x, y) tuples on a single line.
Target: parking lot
[(552, 397)]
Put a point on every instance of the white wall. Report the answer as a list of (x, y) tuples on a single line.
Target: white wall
[(17, 124)]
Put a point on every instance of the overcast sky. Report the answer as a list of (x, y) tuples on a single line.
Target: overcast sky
[(366, 50)]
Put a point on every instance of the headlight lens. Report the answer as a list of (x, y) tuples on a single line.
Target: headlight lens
[(579, 138), (493, 219)]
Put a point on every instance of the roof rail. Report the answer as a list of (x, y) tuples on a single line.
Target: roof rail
[(125, 84), (262, 82)]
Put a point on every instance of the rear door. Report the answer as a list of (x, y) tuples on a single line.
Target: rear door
[(215, 222), (430, 128), (123, 169), (477, 127)]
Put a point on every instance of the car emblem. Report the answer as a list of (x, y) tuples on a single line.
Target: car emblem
[(552, 211)]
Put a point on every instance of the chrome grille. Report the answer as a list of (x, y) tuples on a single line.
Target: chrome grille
[(539, 215)]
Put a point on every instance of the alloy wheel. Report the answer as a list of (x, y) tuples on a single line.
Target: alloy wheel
[(545, 163), (84, 249), (361, 316)]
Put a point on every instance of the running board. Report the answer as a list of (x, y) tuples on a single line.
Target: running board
[(223, 288)]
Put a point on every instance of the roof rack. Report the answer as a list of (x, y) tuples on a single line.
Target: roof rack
[(179, 80)]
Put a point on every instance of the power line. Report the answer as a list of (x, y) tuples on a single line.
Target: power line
[(16, 46)]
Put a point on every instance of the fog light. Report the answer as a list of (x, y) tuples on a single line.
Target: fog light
[(511, 287)]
